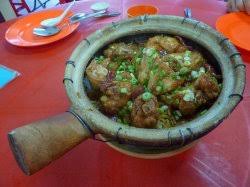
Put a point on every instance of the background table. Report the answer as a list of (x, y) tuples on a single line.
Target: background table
[(220, 159)]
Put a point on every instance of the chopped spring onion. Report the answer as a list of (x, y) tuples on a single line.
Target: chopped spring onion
[(118, 77), (169, 97), (149, 51), (121, 68), (163, 109), (131, 69), (184, 71), (187, 62), (177, 114), (138, 60), (130, 105), (155, 55), (188, 53), (111, 65), (104, 98), (159, 125), (124, 64), (178, 57), (99, 59), (176, 76), (124, 90), (176, 101), (146, 96), (166, 86), (188, 95), (162, 73), (194, 74), (186, 58), (158, 88), (133, 80), (119, 72), (202, 70), (203, 112)]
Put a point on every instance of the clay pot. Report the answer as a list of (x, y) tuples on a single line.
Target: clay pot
[(36, 145)]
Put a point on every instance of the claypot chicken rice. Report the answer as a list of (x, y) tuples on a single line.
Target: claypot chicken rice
[(159, 83)]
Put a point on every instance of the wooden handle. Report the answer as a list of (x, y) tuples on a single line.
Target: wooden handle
[(37, 144)]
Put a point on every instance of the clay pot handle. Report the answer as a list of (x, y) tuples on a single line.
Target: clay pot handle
[(37, 144)]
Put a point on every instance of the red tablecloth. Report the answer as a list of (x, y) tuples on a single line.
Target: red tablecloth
[(220, 159)]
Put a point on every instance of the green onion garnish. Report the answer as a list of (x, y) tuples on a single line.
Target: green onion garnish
[(111, 65), (203, 112), (130, 105), (118, 77), (163, 109), (131, 69), (134, 81), (162, 73), (104, 98), (146, 96), (158, 88), (177, 114), (124, 90), (184, 71), (188, 53), (138, 60)]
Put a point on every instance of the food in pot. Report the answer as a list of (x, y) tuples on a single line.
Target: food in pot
[(160, 83)]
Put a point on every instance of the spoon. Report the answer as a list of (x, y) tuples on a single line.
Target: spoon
[(55, 21), (50, 31), (96, 7), (81, 16)]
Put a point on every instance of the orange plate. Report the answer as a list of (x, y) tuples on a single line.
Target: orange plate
[(235, 26), (20, 33), (139, 10)]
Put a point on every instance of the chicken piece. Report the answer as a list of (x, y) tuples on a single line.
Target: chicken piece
[(208, 84), (196, 60), (172, 62), (122, 50), (113, 66), (143, 71), (170, 44), (166, 68), (116, 96), (152, 82), (187, 107), (158, 71), (183, 100), (163, 79), (144, 113), (169, 84), (190, 59), (97, 72), (191, 102), (200, 98), (160, 86), (150, 67)]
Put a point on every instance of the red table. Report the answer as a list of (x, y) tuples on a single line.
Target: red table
[(220, 159)]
